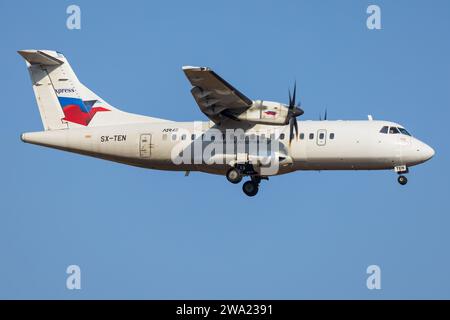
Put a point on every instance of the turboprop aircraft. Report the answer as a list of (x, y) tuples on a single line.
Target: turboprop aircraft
[(244, 138)]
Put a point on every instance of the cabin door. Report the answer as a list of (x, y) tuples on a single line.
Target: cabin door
[(145, 146)]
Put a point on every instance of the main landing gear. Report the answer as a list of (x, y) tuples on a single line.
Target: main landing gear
[(402, 170), (235, 175), (250, 188)]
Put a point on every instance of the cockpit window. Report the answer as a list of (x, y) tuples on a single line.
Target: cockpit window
[(393, 130), (384, 129), (404, 131)]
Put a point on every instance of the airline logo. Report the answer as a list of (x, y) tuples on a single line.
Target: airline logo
[(79, 111), (270, 113), (59, 91)]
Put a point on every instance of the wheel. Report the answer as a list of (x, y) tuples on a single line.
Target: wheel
[(234, 176), (250, 188), (402, 180)]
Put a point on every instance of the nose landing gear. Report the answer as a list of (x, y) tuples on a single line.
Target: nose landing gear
[(402, 180), (402, 170)]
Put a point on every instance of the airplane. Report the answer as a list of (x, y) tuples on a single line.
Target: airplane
[(243, 138)]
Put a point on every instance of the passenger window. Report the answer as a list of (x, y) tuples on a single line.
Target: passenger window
[(183, 137), (321, 136), (331, 136), (174, 137), (213, 138), (393, 130), (302, 136), (384, 129), (164, 136), (311, 136), (282, 136), (193, 137)]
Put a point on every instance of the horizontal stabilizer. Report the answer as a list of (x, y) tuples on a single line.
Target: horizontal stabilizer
[(40, 57), (192, 68)]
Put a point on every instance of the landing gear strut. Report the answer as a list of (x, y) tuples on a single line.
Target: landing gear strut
[(235, 174)]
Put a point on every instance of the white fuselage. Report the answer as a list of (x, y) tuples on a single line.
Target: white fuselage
[(320, 145)]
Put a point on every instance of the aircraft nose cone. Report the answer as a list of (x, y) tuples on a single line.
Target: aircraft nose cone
[(423, 152), (428, 152)]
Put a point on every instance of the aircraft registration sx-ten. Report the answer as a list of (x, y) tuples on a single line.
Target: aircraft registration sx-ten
[(244, 137)]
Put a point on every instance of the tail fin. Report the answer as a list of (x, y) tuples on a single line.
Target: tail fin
[(64, 102)]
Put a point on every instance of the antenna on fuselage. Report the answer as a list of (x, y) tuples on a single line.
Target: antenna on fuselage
[(325, 118)]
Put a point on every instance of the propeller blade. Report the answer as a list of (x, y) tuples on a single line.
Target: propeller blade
[(295, 92), (291, 127), (296, 127), (290, 100), (294, 110), (325, 118)]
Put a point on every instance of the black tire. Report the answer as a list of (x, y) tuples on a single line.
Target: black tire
[(250, 188), (402, 180), (234, 176)]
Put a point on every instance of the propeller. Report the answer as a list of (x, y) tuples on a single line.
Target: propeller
[(294, 111)]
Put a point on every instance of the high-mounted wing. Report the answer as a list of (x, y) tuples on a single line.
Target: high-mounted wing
[(217, 99)]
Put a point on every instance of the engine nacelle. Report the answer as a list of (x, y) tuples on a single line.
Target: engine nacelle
[(266, 112)]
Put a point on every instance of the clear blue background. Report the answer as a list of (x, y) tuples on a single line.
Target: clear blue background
[(137, 233)]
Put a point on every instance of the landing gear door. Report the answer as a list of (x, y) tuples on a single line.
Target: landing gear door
[(321, 137), (145, 146)]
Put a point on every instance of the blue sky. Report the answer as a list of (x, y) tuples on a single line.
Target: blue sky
[(146, 234)]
